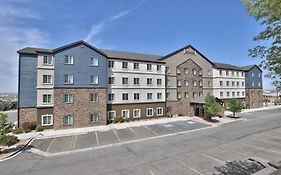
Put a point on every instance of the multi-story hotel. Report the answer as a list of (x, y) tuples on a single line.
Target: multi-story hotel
[(78, 85)]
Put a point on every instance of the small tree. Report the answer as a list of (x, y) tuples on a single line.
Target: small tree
[(235, 106), (211, 106), (5, 127)]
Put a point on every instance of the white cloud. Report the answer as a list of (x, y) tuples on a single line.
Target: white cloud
[(120, 15)]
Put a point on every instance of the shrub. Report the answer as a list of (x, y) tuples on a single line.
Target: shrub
[(117, 119), (26, 125), (10, 140), (27, 130), (17, 131), (39, 128), (33, 125)]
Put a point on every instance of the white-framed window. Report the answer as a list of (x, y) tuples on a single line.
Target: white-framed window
[(159, 68), (221, 94), (243, 83), (125, 80), (136, 113), (259, 74), (228, 94), (178, 83), (237, 83), (253, 83), (237, 74), (199, 72), (194, 83), (159, 96), (111, 115), (68, 98), (186, 95), (149, 67), (233, 83), (149, 112), (94, 79), (111, 80), (220, 72), (149, 96), (159, 111), (68, 120), (47, 79), (124, 65), (253, 74), (179, 95), (227, 72), (259, 84), (68, 59), (200, 94), (94, 118), (238, 94), (68, 79), (111, 64), (194, 94), (243, 93), (149, 81), (136, 81), (111, 97), (186, 83), (47, 120), (178, 70), (227, 83), (125, 113), (233, 94), (125, 96), (136, 66), (194, 71), (209, 83), (136, 96), (221, 83), (242, 74), (232, 73), (47, 98), (185, 71), (94, 97), (159, 81), (94, 61), (48, 60)]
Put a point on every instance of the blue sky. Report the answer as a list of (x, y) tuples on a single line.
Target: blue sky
[(220, 29)]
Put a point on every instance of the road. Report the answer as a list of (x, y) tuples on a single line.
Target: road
[(199, 152)]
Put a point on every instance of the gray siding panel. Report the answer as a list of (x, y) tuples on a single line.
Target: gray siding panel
[(256, 79), (81, 68), (28, 80)]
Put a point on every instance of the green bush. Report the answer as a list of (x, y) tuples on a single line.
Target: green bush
[(10, 140), (33, 125), (17, 131), (117, 119), (39, 128)]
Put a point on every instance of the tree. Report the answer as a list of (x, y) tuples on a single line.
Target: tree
[(268, 12), (211, 106), (5, 127), (235, 106)]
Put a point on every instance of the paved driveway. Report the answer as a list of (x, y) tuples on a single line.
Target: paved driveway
[(113, 136)]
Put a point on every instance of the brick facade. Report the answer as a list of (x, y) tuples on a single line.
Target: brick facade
[(27, 115), (254, 98), (81, 108)]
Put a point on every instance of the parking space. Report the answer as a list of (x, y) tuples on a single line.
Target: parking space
[(112, 136)]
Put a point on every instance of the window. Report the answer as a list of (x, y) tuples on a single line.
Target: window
[(159, 67), (209, 83), (200, 94), (167, 70), (149, 67), (233, 94), (233, 83), (94, 118), (149, 112), (136, 81), (199, 72), (237, 83), (227, 83), (68, 120), (179, 95), (47, 79), (47, 120), (136, 113), (47, 98), (243, 83), (125, 80), (259, 84), (48, 60), (159, 111), (259, 74), (243, 93), (237, 74), (111, 80), (159, 81), (178, 71), (232, 73), (227, 72), (125, 114), (125, 96), (159, 96), (111, 115), (178, 83), (168, 95), (242, 74), (238, 94), (136, 96), (186, 95), (221, 83), (111, 97), (68, 79), (94, 79), (186, 82), (186, 71), (68, 59), (221, 94), (136, 66), (253, 74), (209, 72), (194, 83), (149, 96), (194, 94), (220, 72), (94, 97), (253, 83), (68, 98), (111, 64), (94, 61), (124, 65), (227, 94), (194, 71), (149, 81), (168, 82)]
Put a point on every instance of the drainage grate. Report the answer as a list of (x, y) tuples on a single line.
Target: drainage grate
[(246, 167)]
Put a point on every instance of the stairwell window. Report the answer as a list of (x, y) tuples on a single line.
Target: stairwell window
[(69, 59)]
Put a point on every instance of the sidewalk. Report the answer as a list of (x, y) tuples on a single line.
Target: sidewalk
[(253, 110)]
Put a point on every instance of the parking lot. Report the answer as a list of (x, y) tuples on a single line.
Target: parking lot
[(112, 136)]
